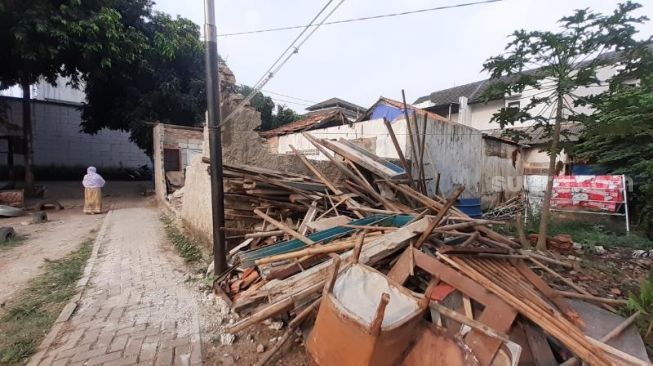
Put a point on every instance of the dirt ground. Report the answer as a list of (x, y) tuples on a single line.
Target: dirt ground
[(64, 232)]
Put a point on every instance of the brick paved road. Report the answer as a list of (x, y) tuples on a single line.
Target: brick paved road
[(136, 309)]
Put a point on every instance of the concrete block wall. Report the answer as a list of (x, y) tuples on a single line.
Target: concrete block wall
[(59, 141)]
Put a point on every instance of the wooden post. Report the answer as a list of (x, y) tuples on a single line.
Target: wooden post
[(377, 321), (443, 211), (332, 276), (400, 153)]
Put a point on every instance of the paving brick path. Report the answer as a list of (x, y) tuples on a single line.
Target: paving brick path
[(135, 309)]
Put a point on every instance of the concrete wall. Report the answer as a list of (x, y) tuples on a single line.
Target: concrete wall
[(58, 140), (373, 130), (188, 140), (460, 154)]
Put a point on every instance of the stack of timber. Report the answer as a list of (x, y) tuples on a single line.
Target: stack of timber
[(427, 275)]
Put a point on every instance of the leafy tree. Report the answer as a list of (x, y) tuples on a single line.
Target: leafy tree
[(551, 67), (618, 136), (165, 83), (263, 104), (284, 116), (50, 38)]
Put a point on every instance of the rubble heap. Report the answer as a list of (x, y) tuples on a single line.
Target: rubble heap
[(397, 277)]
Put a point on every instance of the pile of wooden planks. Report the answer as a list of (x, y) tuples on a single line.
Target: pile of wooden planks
[(298, 230)]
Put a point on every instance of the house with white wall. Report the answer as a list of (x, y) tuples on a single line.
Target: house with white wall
[(467, 105), (58, 141), (454, 154)]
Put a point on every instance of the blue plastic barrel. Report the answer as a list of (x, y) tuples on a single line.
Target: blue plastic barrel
[(470, 206)]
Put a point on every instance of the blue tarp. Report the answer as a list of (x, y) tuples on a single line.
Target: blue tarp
[(386, 111), (247, 258)]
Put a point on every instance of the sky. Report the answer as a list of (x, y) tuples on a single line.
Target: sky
[(361, 61)]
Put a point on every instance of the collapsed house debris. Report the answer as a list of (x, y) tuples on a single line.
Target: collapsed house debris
[(395, 276)]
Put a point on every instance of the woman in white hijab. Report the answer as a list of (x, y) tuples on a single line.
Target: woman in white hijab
[(93, 183)]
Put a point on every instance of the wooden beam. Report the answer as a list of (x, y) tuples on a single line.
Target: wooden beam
[(436, 221), (284, 227)]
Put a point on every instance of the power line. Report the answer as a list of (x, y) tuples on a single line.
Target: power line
[(288, 96), (291, 102), (360, 19), (284, 95), (279, 63)]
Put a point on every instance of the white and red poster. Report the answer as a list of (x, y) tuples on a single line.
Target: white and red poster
[(588, 192)]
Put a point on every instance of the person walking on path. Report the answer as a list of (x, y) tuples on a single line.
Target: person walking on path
[(93, 183)]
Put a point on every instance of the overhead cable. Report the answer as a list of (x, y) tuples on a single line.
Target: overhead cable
[(360, 18)]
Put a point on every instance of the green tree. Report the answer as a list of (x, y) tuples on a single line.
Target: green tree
[(44, 39), (551, 67), (284, 115), (263, 104), (618, 136), (165, 83)]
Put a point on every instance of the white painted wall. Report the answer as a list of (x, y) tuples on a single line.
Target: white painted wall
[(42, 90), (374, 129), (58, 140)]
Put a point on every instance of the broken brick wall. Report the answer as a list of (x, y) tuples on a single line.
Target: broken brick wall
[(241, 144)]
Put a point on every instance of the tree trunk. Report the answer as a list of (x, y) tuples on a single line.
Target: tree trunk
[(546, 204), (28, 139)]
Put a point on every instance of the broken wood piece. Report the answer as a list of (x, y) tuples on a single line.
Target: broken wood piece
[(292, 326), (284, 227), (592, 298), (550, 294), (265, 234), (357, 248), (460, 318), (331, 276), (397, 147), (608, 337), (308, 218), (567, 281), (317, 249), (451, 200), (377, 321), (328, 223), (352, 204)]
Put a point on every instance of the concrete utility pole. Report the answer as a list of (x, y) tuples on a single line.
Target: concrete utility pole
[(215, 143)]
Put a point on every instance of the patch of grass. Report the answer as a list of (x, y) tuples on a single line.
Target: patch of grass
[(586, 233), (13, 242), (28, 317), (186, 247), (589, 234)]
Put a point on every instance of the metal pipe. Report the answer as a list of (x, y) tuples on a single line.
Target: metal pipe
[(215, 144)]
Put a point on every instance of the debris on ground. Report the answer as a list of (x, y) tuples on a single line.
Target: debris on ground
[(371, 269)]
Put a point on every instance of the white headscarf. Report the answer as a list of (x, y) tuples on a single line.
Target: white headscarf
[(92, 179)]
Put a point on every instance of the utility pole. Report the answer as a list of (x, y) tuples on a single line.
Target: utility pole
[(215, 143)]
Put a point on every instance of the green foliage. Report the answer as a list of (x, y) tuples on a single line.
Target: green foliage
[(266, 107), (619, 135), (644, 300), (187, 248), (29, 316), (551, 66), (135, 65), (165, 83), (13, 242)]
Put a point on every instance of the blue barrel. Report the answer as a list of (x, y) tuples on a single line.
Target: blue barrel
[(470, 206)]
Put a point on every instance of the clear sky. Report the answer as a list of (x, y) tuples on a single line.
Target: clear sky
[(361, 61)]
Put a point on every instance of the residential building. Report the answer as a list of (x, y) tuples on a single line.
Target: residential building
[(350, 110), (454, 154), (58, 141)]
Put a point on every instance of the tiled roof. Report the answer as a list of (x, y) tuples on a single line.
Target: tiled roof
[(537, 136), (312, 121), (335, 102)]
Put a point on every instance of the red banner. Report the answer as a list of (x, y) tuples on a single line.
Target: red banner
[(588, 192)]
